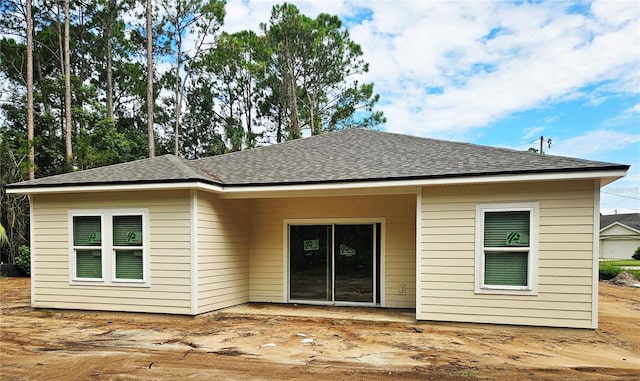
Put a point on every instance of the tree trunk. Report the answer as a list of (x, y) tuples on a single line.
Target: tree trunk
[(150, 102), (61, 62), (32, 163), (67, 88), (294, 128), (178, 97), (312, 115), (108, 32)]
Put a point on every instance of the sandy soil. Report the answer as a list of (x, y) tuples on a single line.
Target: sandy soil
[(74, 345)]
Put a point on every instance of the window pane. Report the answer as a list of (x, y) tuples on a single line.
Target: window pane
[(505, 229), (505, 269), (88, 264), (86, 231), (127, 230), (128, 264)]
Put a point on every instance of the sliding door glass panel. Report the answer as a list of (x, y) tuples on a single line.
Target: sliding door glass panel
[(310, 262), (354, 259)]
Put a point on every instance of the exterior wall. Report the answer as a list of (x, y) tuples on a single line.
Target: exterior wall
[(267, 251), (565, 267), (618, 242), (223, 252), (169, 229)]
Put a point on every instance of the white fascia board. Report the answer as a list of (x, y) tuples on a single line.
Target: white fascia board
[(117, 187), (257, 191)]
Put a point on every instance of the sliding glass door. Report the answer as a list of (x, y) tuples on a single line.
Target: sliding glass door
[(310, 262), (332, 263)]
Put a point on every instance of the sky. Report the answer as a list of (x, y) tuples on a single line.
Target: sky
[(500, 73)]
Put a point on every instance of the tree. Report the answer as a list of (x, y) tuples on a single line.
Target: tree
[(32, 160), (224, 95), (67, 87), (150, 97), (318, 64), (201, 21)]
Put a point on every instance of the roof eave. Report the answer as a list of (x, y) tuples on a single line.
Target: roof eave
[(114, 186), (255, 190), (259, 190)]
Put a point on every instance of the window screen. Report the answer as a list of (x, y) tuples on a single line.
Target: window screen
[(88, 263), (505, 229), (129, 264), (86, 231), (127, 230), (506, 268)]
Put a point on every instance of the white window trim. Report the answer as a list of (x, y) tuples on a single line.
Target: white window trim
[(532, 272), (108, 249)]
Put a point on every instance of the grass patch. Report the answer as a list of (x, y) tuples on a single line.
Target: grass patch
[(635, 273), (629, 262)]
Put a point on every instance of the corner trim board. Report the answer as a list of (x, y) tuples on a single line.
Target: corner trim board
[(33, 252), (596, 254), (418, 251), (193, 205)]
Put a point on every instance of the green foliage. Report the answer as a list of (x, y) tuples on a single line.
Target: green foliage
[(3, 235), (636, 254), (14, 209), (635, 273), (608, 270), (23, 260)]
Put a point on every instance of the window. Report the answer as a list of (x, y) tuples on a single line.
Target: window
[(109, 247), (506, 248), (127, 246), (87, 245)]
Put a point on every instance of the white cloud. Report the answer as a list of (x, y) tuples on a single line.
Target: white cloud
[(539, 54), (595, 142), (534, 132)]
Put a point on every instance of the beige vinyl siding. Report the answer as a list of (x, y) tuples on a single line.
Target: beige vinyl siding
[(267, 251), (564, 265), (169, 252), (223, 252)]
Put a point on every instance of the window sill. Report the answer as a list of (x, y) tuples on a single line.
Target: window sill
[(101, 283), (493, 290)]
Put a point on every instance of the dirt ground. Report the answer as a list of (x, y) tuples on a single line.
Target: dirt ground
[(75, 345)]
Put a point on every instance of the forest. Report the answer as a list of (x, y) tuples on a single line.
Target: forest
[(88, 84)]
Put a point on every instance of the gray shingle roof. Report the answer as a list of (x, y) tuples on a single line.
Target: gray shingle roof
[(343, 156), (631, 220), (167, 168)]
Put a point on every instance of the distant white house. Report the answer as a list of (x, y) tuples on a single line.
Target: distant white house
[(619, 235)]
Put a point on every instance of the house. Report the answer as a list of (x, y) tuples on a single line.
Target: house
[(460, 232), (619, 235)]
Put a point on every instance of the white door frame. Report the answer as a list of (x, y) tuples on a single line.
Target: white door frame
[(336, 221)]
